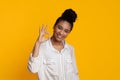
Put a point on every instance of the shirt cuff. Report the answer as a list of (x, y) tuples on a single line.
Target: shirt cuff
[(34, 59)]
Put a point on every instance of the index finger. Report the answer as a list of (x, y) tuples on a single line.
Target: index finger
[(46, 27)]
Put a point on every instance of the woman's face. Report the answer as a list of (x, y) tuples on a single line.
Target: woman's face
[(61, 30)]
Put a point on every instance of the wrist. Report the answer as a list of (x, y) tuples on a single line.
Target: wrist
[(38, 42)]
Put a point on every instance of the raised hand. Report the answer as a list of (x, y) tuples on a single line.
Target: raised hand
[(41, 38), (42, 33)]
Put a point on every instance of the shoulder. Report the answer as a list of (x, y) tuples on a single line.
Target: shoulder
[(44, 44), (70, 49), (69, 46)]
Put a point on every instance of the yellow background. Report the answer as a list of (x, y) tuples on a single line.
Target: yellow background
[(95, 36)]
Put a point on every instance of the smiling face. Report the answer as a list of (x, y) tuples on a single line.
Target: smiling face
[(61, 30)]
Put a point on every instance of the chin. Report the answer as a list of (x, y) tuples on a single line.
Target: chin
[(59, 40)]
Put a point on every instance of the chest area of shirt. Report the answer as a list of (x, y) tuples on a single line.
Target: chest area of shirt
[(57, 58)]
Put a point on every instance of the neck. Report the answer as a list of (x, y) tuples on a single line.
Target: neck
[(58, 45), (55, 42)]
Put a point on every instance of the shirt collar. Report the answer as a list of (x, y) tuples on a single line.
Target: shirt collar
[(51, 46)]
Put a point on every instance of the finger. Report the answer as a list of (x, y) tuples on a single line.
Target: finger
[(48, 34), (46, 39), (45, 29), (42, 27), (39, 30)]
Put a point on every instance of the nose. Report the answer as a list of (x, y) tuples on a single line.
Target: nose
[(61, 32)]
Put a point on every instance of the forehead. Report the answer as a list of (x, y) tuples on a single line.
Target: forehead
[(64, 24)]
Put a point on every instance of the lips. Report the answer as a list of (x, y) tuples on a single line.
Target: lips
[(59, 36)]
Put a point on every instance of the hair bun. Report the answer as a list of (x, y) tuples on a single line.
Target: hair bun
[(69, 15)]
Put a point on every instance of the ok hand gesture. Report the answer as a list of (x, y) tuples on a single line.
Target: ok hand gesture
[(42, 33)]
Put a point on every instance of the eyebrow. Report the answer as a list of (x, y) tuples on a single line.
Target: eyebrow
[(62, 27)]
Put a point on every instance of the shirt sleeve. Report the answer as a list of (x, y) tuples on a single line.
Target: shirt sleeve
[(74, 65), (35, 63)]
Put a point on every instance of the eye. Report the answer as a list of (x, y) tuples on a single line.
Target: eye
[(67, 31), (60, 27)]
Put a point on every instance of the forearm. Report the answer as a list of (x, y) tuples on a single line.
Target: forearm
[(35, 51), (35, 61)]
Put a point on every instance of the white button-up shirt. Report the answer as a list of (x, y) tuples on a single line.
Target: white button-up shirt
[(54, 65)]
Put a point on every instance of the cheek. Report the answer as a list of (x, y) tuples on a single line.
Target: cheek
[(65, 35), (55, 29)]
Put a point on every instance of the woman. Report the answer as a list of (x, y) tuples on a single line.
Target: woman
[(53, 58)]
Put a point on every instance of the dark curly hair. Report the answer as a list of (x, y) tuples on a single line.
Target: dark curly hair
[(68, 15)]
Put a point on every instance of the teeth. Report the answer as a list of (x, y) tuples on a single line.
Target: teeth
[(59, 36)]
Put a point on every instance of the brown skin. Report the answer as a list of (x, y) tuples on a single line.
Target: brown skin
[(61, 31), (41, 38)]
